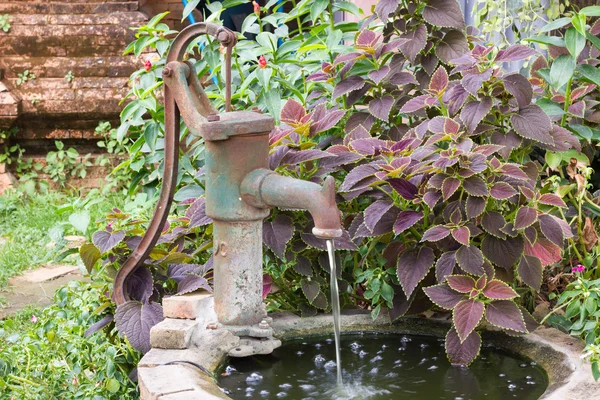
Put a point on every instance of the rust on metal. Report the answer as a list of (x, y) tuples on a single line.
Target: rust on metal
[(240, 189)]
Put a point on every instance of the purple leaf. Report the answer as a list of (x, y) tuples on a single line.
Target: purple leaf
[(466, 317), (502, 252), (380, 107), (197, 213), (191, 283), (367, 38), (530, 270), (278, 233), (445, 266), (417, 103), (475, 206), (453, 45), (439, 81), (520, 88), (327, 122), (348, 85), (461, 283), (435, 233), (533, 123), (107, 319), (356, 175), (449, 187), (310, 289), (139, 284), (373, 213), (515, 52), (551, 228), (462, 353), (513, 171), (405, 220), (292, 112), (443, 296), (502, 191), (297, 157), (444, 13), (498, 290), (380, 74), (474, 111), (384, 8), (431, 198), (400, 304), (493, 222), (462, 235), (473, 81), (404, 188), (403, 78), (475, 186), (412, 267), (505, 314), (134, 320), (415, 42), (267, 285), (470, 259), (178, 272), (105, 241), (545, 250), (525, 217)]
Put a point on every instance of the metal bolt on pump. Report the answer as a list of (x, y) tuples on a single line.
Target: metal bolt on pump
[(240, 190)]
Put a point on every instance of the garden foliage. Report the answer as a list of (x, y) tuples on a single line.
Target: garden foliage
[(439, 157)]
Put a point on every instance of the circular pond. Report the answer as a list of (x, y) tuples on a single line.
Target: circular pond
[(380, 366)]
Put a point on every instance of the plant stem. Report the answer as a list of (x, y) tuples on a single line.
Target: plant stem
[(567, 103), (297, 18)]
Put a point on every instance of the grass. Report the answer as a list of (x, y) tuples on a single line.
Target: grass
[(29, 223)]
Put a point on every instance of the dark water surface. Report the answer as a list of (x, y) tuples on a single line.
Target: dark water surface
[(378, 367)]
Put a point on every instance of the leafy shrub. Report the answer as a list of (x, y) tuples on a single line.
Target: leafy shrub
[(45, 353), (437, 153)]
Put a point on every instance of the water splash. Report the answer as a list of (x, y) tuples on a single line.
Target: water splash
[(335, 310)]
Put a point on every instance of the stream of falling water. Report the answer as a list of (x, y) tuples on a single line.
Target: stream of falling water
[(335, 309)]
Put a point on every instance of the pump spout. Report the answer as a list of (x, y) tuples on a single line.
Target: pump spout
[(263, 188)]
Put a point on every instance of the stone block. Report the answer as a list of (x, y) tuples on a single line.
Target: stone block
[(47, 273), (185, 306), (161, 382), (172, 333)]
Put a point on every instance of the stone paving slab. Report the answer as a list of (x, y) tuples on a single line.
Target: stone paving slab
[(45, 274)]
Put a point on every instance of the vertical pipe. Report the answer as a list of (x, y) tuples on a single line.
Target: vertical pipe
[(238, 274)]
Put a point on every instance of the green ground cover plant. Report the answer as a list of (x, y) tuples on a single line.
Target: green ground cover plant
[(46, 354), (30, 222)]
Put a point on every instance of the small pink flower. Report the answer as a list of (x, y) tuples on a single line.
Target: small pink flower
[(578, 268), (34, 319), (256, 8), (262, 62), (75, 381), (148, 65)]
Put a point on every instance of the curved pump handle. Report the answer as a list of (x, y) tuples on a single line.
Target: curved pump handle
[(172, 121)]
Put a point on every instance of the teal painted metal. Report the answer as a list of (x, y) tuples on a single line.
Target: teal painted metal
[(240, 189)]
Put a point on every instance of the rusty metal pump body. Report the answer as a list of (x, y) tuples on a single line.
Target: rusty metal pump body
[(240, 190)]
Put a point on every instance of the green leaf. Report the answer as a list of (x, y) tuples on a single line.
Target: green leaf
[(575, 42), (558, 23), (553, 159), (595, 41), (578, 22), (582, 131), (151, 134), (596, 370), (387, 292), (317, 8), (267, 40), (113, 385), (156, 19), (550, 107), (548, 40), (561, 71), (190, 6), (80, 220), (589, 72), (591, 11), (273, 102)]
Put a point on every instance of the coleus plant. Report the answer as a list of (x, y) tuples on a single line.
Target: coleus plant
[(454, 191), (174, 267), (567, 82)]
